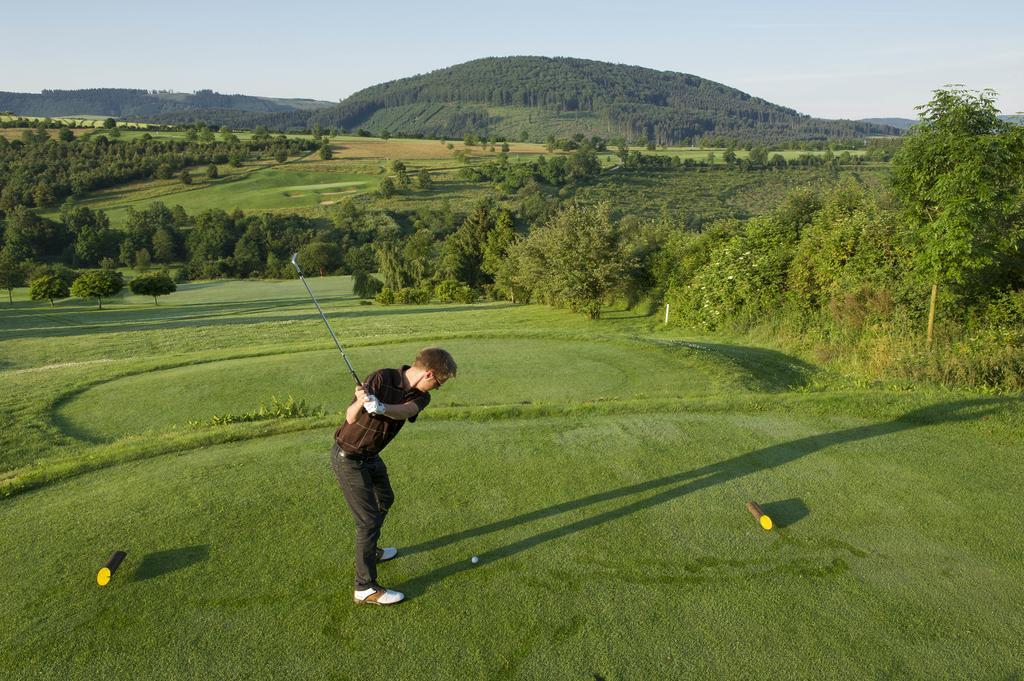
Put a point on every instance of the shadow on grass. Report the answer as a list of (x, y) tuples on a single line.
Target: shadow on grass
[(787, 512), (217, 314), (164, 562), (680, 484), (767, 370)]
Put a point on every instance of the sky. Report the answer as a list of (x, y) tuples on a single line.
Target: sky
[(858, 60)]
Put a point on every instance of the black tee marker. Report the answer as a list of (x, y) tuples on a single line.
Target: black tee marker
[(109, 568)]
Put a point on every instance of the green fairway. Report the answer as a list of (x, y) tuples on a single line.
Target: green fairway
[(599, 469), (268, 189)]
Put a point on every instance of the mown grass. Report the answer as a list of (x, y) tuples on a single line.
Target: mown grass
[(598, 469)]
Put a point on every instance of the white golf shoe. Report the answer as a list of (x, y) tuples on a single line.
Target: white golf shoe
[(386, 554), (378, 596)]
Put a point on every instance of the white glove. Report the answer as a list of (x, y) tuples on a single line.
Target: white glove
[(373, 406)]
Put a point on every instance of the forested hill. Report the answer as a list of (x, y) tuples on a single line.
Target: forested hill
[(538, 96), (142, 104)]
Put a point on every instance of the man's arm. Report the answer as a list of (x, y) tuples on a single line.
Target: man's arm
[(401, 412), (353, 410)]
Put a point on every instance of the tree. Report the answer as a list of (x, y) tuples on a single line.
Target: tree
[(164, 248), (94, 240), (109, 124), (361, 261), (387, 248), (578, 259), (48, 287), (423, 179), (65, 135), (387, 188), (212, 172), (142, 260), (462, 252), (28, 235), (325, 152), (12, 275), (185, 176), (418, 256), (958, 178), (497, 262), (320, 256), (98, 284), (153, 284)]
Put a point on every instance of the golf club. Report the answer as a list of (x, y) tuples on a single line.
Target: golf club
[(295, 262)]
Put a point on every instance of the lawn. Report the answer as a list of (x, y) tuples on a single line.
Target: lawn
[(599, 469)]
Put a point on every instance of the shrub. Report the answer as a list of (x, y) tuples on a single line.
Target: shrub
[(413, 296), (446, 290), (386, 296)]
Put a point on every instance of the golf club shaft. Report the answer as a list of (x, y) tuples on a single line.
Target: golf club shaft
[(324, 317)]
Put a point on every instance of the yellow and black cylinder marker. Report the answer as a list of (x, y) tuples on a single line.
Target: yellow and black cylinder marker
[(109, 568), (760, 516)]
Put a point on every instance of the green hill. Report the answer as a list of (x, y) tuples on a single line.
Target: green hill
[(534, 97)]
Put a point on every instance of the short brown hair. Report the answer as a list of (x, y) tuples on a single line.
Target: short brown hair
[(437, 360)]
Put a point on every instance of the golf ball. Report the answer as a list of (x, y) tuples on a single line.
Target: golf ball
[(474, 560)]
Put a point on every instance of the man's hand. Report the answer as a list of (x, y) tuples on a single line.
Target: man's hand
[(372, 405)]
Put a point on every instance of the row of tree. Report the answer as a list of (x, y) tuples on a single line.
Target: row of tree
[(39, 171)]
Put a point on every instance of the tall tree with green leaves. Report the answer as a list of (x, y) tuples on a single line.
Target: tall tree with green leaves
[(48, 287), (577, 259), (958, 177), (98, 284), (153, 284), (12, 275)]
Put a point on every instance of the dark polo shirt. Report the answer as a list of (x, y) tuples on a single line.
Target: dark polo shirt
[(371, 433)]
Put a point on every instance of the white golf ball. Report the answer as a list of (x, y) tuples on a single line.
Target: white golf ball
[(474, 560)]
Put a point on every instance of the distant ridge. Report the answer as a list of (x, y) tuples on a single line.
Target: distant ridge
[(901, 123), (142, 104), (528, 98), (906, 123)]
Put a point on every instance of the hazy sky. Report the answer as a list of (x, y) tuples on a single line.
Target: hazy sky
[(864, 59)]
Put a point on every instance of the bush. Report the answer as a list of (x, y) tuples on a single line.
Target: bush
[(413, 296), (386, 296), (446, 290)]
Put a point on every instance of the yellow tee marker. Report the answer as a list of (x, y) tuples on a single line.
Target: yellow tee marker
[(760, 516), (109, 568)]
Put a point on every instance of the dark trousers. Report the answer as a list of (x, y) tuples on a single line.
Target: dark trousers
[(369, 496)]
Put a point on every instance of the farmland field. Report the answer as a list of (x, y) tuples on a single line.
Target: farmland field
[(599, 469)]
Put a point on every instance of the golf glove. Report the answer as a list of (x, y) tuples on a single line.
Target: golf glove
[(373, 406)]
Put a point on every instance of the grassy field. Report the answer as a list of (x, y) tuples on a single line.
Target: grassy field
[(598, 469), (256, 187)]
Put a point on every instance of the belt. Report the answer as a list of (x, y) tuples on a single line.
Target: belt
[(355, 457)]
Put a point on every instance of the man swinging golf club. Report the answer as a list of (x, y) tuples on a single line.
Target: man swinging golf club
[(383, 403)]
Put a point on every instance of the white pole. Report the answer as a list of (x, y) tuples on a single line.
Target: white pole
[(666, 313)]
